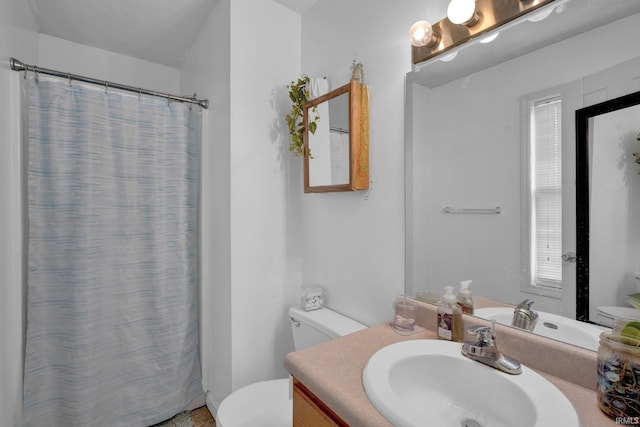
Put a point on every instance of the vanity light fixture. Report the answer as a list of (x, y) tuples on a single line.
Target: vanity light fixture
[(463, 12), (422, 35), (473, 20)]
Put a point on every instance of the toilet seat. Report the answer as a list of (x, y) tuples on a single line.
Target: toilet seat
[(261, 404), (609, 313)]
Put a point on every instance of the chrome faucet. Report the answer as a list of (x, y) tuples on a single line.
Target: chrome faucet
[(523, 316), (485, 350)]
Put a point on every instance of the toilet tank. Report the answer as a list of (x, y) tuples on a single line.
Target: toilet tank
[(317, 326)]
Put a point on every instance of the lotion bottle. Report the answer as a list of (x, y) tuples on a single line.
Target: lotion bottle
[(449, 325), (465, 300)]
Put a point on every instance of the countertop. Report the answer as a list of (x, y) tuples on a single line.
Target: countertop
[(333, 372)]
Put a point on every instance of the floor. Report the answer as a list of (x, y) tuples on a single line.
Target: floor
[(201, 417)]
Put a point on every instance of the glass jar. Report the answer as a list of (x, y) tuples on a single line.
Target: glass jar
[(311, 298), (618, 384), (404, 314)]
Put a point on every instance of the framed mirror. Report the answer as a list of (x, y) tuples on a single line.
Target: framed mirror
[(607, 206), (463, 149), (336, 154)]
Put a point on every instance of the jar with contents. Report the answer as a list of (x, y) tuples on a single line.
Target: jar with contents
[(618, 379)]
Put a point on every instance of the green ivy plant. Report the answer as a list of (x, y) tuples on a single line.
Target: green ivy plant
[(299, 95)]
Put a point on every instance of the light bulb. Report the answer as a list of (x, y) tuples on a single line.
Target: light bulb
[(449, 57), (421, 34), (541, 15), (490, 38), (462, 12)]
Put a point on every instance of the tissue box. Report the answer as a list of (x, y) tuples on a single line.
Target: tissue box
[(311, 298)]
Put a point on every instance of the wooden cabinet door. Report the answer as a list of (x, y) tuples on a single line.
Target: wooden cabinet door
[(310, 411)]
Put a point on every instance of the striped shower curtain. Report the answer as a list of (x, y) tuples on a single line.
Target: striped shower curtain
[(112, 305)]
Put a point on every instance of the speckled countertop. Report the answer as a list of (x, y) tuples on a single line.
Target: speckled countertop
[(333, 372)]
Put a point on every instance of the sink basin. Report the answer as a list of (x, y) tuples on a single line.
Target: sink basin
[(429, 382), (549, 325)]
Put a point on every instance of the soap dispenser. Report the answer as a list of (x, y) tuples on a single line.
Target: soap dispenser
[(465, 300), (449, 317)]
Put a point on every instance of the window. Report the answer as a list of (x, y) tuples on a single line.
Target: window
[(544, 186)]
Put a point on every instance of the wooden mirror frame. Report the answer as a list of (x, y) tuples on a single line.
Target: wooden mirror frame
[(358, 138), (582, 193)]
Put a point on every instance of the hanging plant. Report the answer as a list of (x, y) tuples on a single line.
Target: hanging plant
[(299, 95)]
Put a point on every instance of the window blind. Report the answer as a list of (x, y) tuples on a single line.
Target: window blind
[(546, 200)]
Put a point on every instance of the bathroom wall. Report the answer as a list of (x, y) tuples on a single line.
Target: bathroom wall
[(353, 243), (250, 196), (478, 163), (63, 55), (206, 70), (17, 38)]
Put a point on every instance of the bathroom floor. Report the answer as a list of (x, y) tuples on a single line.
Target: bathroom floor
[(201, 417)]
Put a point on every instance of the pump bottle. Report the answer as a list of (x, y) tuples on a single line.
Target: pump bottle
[(465, 300), (449, 325)]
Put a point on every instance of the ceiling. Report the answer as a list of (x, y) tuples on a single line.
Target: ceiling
[(160, 31), (300, 6)]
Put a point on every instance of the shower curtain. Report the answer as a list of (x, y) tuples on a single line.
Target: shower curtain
[(112, 306)]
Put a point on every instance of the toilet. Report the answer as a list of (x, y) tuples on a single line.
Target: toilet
[(268, 403), (607, 314)]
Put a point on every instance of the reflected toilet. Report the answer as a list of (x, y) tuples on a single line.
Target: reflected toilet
[(269, 403), (608, 314)]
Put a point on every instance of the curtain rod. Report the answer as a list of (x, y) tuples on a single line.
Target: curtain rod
[(17, 65)]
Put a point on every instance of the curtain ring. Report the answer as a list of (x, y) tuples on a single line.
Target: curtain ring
[(69, 78), (106, 88)]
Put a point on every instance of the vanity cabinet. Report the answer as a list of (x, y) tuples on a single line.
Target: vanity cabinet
[(310, 411)]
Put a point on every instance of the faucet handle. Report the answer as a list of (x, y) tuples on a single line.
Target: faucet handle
[(525, 304), (485, 334)]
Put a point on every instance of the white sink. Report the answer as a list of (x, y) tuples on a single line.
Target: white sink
[(429, 382), (549, 325)]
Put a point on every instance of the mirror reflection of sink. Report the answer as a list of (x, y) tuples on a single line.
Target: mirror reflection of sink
[(549, 325), (429, 382)]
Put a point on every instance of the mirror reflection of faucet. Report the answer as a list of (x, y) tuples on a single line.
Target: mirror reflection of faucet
[(523, 316)]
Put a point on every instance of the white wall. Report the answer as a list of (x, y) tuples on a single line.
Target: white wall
[(17, 39), (206, 70), (353, 243), (467, 153), (263, 265), (63, 55), (250, 220)]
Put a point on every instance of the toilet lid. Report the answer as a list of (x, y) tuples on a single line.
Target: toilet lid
[(612, 312), (264, 404)]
